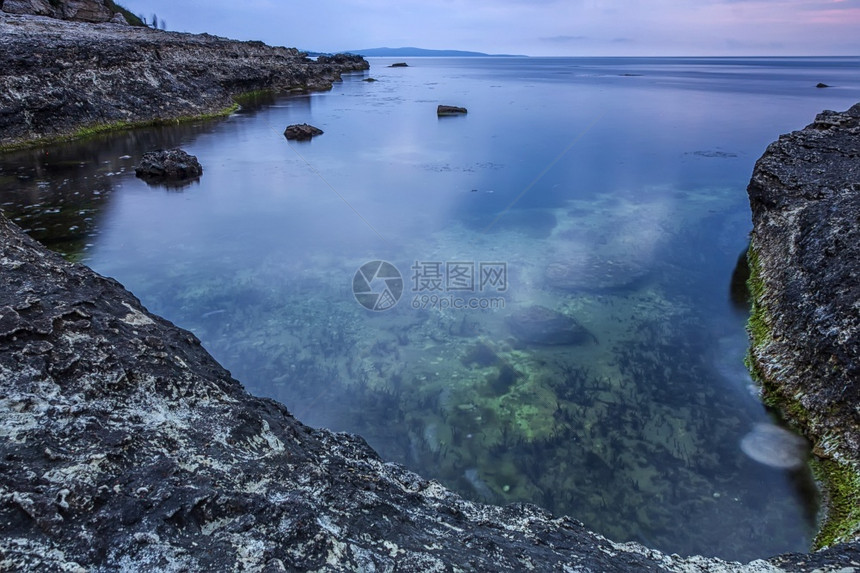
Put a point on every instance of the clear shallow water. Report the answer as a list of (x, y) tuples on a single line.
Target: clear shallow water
[(616, 200)]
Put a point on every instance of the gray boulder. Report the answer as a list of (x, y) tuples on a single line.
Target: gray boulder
[(168, 166)]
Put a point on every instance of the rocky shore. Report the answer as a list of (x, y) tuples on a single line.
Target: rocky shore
[(61, 78), (805, 278), (126, 447)]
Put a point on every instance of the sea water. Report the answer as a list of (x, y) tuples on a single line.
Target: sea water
[(530, 302)]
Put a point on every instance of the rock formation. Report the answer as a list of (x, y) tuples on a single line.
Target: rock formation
[(61, 78), (168, 166), (805, 279), (79, 10), (302, 131)]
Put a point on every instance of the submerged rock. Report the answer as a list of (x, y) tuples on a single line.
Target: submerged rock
[(126, 447), (302, 131), (450, 110), (594, 273), (540, 325), (774, 446), (168, 165)]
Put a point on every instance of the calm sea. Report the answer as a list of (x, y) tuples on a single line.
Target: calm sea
[(531, 302)]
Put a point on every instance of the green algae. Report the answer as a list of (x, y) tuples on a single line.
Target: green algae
[(92, 130), (839, 480), (841, 521)]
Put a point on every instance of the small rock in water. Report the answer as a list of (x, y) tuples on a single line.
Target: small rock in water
[(450, 110), (168, 165), (821, 85), (301, 131), (773, 446), (399, 65)]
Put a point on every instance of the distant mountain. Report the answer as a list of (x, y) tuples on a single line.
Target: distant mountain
[(420, 52)]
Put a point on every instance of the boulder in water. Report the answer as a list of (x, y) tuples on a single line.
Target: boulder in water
[(541, 325)]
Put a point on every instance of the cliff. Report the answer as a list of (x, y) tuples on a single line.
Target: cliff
[(63, 78), (805, 328)]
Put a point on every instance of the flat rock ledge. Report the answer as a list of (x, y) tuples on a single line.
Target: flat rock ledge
[(805, 282), (64, 79)]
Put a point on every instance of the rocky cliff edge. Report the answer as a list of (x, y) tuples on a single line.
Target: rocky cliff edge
[(805, 326), (64, 78)]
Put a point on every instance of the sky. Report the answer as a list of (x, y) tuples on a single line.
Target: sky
[(530, 27)]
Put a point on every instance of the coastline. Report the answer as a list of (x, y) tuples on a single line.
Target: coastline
[(769, 362), (805, 326), (64, 80)]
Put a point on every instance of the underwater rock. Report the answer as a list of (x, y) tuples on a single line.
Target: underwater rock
[(168, 165), (774, 446), (302, 131), (450, 110), (594, 273), (540, 325)]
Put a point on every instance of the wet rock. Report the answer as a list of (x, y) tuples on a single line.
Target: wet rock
[(399, 65), (302, 131), (168, 165), (805, 264), (588, 272), (541, 325), (450, 110), (126, 445), (58, 76), (821, 85)]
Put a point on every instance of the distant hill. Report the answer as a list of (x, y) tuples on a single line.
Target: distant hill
[(421, 52)]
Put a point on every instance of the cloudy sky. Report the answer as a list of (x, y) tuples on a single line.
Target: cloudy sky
[(530, 27)]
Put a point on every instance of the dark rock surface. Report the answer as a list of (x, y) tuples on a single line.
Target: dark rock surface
[(58, 76), (302, 131), (79, 10), (805, 279), (541, 325), (450, 110), (168, 165), (821, 85), (126, 447), (399, 65)]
